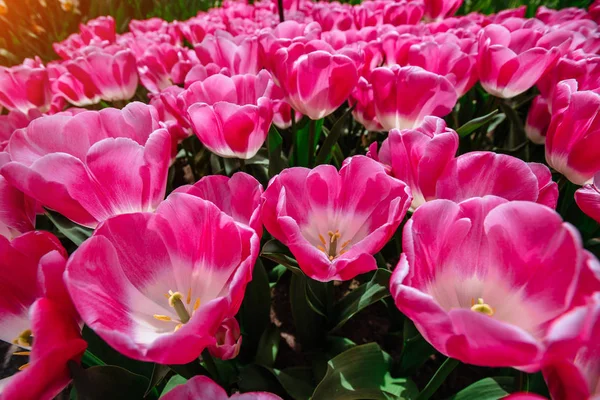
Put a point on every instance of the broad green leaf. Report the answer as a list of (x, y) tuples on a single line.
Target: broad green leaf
[(316, 296), (255, 309), (90, 360), (337, 345), (296, 381), (75, 233), (361, 297), (275, 274), (363, 372), (175, 380), (276, 251), (108, 382), (254, 378), (486, 389), (159, 373), (325, 152), (476, 123), (309, 325), (301, 150), (268, 347), (415, 350), (274, 145)]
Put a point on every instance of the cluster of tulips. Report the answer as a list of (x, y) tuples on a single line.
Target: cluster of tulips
[(489, 273)]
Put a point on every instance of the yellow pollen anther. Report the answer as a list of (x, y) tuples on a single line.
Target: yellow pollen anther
[(481, 307), (177, 327), (188, 300), (22, 367), (322, 239), (162, 317), (197, 304), (25, 339), (346, 243), (21, 353), (321, 248)]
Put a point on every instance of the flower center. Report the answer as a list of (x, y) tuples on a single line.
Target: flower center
[(331, 248), (481, 307), (183, 313)]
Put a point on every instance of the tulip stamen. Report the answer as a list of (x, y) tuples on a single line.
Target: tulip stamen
[(188, 300), (481, 307), (25, 339), (162, 317), (22, 367), (333, 241), (176, 302), (21, 353)]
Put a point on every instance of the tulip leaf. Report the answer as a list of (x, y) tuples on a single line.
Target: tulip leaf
[(316, 296), (255, 310), (475, 124), (75, 233), (158, 374), (301, 156), (108, 382), (361, 297), (275, 145), (268, 347), (309, 325), (276, 251), (337, 345), (486, 389), (175, 380), (254, 378), (296, 381), (275, 274), (415, 349), (90, 359), (326, 150), (362, 372)]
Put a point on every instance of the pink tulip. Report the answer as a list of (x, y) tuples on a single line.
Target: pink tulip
[(333, 16), (101, 76), (240, 55), (11, 122), (510, 63), (74, 164), (155, 26), (202, 387), (573, 360), (538, 120), (17, 211), (229, 340), (482, 173), (283, 35), (395, 47), (315, 78), (333, 222), (238, 196), (282, 111), (157, 286), (553, 17), (572, 140), (404, 96), (594, 11), (436, 10), (163, 65), (101, 28), (57, 342), (31, 267), (524, 396), (474, 278), (402, 13), (448, 60), (230, 115), (418, 156), (171, 116), (201, 72), (25, 87), (361, 99), (588, 198)]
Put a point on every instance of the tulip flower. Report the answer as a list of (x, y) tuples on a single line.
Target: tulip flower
[(482, 173), (418, 156), (229, 340), (333, 222), (404, 96), (474, 278), (163, 65), (538, 120), (510, 63), (333, 16), (361, 99), (230, 115), (17, 211), (436, 10), (588, 198), (315, 78), (57, 342), (11, 122), (155, 27), (102, 28), (74, 164), (101, 76), (25, 87), (402, 13), (240, 55), (573, 359), (202, 387), (238, 196), (170, 115), (157, 286), (573, 135)]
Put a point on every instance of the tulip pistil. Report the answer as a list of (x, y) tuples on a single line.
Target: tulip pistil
[(481, 307), (25, 339), (176, 302), (182, 306), (331, 249)]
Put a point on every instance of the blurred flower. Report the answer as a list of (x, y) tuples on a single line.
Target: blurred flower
[(202, 387), (538, 119), (334, 222), (157, 286), (3, 8), (474, 278), (25, 87), (69, 5), (588, 198), (436, 10)]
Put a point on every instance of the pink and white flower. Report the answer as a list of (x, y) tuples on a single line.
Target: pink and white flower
[(25, 87), (588, 198), (202, 387), (436, 10), (228, 340)]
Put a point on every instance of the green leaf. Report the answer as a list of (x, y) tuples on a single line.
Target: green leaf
[(255, 310), (175, 380), (75, 233), (275, 274), (254, 378), (337, 345), (415, 350), (296, 381), (326, 150), (361, 297), (316, 296), (158, 374), (486, 389), (90, 360), (362, 373), (274, 145), (276, 251), (108, 382), (301, 151), (309, 325), (268, 347), (476, 123)]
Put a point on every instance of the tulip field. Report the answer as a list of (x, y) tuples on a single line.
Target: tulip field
[(298, 199)]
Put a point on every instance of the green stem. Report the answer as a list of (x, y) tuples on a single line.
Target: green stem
[(294, 129), (281, 17), (440, 376), (210, 365), (312, 130), (242, 165)]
